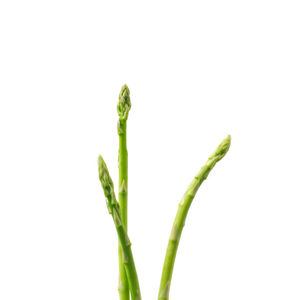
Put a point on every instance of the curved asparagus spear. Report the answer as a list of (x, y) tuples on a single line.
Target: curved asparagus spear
[(114, 209), (123, 108), (182, 212)]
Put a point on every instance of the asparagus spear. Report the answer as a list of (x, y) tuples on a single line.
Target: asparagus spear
[(114, 209), (182, 212), (123, 108)]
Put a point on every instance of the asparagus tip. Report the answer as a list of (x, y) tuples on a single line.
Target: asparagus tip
[(124, 104), (101, 165), (222, 149), (105, 179)]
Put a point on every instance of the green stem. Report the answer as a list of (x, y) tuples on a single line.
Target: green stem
[(114, 209), (181, 215), (123, 108), (123, 185), (123, 173)]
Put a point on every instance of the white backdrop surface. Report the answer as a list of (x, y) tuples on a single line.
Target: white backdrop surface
[(197, 70)]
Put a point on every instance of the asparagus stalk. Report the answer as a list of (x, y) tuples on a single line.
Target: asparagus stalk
[(181, 215), (114, 209), (123, 108)]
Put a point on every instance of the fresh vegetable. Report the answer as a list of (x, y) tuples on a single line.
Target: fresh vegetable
[(128, 279), (182, 212), (114, 209), (123, 108)]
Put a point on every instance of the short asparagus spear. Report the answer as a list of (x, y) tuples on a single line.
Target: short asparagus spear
[(123, 108), (182, 212), (114, 209)]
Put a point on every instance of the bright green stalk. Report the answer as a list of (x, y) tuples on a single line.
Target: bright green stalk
[(123, 110), (114, 209), (182, 212)]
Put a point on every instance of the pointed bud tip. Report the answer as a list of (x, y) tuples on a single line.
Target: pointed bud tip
[(125, 91), (227, 141), (222, 148), (100, 161), (124, 104), (225, 145), (105, 179), (101, 166)]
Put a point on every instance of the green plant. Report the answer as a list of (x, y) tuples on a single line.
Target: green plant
[(128, 280)]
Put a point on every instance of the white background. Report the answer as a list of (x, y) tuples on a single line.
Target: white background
[(197, 70)]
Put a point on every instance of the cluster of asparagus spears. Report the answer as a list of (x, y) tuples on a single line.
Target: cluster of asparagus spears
[(128, 279)]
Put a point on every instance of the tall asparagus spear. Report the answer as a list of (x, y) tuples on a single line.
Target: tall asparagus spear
[(182, 212), (114, 209), (123, 108)]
